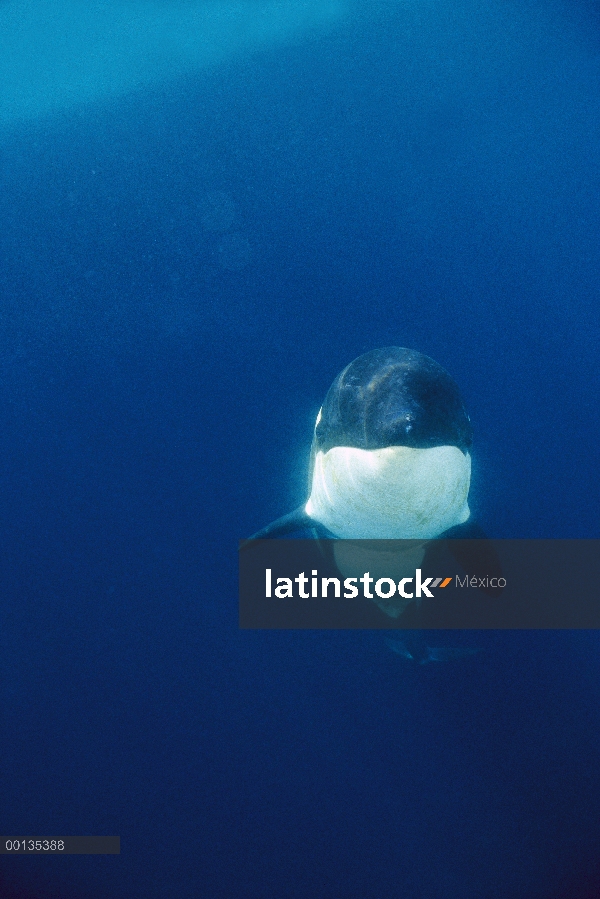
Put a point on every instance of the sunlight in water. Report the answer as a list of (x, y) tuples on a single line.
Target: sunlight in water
[(57, 54)]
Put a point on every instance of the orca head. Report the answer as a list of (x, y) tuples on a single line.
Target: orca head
[(390, 456)]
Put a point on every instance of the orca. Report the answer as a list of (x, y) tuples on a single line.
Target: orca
[(390, 456)]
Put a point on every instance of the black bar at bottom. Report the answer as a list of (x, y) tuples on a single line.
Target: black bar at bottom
[(60, 845)]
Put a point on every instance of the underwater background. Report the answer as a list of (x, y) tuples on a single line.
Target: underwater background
[(186, 262)]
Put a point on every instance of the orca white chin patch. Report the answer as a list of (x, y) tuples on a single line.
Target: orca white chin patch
[(395, 493)]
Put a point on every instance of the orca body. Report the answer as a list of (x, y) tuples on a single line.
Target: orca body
[(390, 453)]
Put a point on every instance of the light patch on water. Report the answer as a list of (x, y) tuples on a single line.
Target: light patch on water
[(58, 54)]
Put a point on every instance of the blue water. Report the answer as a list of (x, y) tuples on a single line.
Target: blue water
[(183, 272)]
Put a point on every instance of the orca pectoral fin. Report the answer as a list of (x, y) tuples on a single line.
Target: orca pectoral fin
[(287, 524), (476, 554)]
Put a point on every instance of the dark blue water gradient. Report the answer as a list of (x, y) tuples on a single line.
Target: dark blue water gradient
[(424, 176)]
